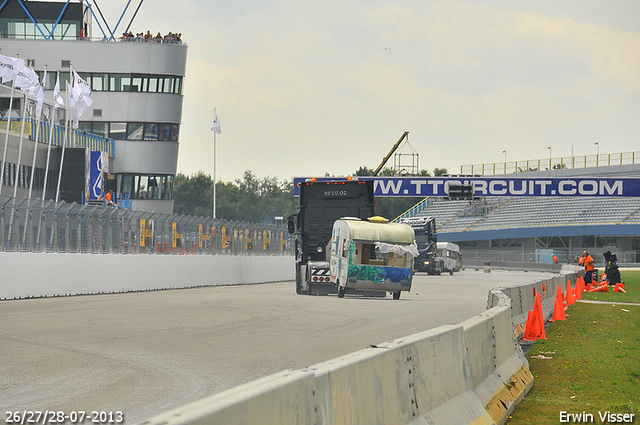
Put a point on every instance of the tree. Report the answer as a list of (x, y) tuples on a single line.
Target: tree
[(248, 199), (193, 195), (438, 172)]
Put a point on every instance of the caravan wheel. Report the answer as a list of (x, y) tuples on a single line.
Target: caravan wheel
[(396, 295)]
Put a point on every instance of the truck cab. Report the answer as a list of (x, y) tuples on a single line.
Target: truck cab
[(427, 239), (321, 204)]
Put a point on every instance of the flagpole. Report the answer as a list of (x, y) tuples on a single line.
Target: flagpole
[(35, 148), (64, 138), (51, 130), (6, 137), (214, 169), (17, 182)]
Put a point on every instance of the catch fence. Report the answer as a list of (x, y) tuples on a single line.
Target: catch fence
[(28, 225)]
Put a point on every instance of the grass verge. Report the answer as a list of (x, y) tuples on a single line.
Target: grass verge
[(589, 364)]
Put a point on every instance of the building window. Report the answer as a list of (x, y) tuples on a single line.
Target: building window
[(135, 130), (119, 82), (118, 130), (145, 186), (132, 131)]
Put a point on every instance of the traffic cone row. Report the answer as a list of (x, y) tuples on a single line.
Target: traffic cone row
[(534, 329)]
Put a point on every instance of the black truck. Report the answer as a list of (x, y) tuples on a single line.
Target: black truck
[(321, 204), (427, 239)]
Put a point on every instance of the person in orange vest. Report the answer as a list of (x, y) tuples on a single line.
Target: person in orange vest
[(555, 259), (581, 260), (588, 267)]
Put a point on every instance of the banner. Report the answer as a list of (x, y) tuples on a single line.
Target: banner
[(495, 186), (98, 167)]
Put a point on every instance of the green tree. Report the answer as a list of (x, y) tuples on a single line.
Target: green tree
[(193, 195), (248, 199), (438, 172)]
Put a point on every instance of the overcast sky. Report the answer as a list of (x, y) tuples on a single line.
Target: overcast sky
[(304, 88)]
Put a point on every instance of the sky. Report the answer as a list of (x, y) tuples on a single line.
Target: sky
[(304, 88)]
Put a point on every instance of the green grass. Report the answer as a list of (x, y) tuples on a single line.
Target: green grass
[(595, 361)]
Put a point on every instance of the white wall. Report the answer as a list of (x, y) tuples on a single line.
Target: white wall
[(37, 275)]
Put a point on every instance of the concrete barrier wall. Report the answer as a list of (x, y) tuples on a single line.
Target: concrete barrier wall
[(511, 265), (72, 274), (523, 296), (471, 373)]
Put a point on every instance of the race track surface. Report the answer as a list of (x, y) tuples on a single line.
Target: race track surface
[(147, 352)]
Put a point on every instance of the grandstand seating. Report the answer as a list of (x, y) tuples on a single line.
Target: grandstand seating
[(519, 212)]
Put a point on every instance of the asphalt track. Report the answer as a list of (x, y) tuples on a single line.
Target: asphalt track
[(147, 352)]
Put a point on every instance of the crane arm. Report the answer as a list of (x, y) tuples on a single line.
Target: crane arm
[(386, 158)]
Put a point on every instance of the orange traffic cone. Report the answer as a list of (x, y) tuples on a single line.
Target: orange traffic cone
[(601, 288), (582, 285), (619, 288), (535, 323), (578, 290), (589, 287), (558, 308), (571, 299)]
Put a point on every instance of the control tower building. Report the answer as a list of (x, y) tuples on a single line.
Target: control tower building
[(137, 87)]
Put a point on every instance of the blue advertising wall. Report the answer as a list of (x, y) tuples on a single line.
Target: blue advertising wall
[(492, 186)]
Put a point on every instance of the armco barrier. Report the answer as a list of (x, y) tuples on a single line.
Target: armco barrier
[(39, 275), (471, 373)]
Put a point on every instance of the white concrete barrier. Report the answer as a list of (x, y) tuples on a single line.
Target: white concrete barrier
[(41, 275)]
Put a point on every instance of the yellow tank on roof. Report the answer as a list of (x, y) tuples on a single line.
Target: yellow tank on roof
[(379, 231)]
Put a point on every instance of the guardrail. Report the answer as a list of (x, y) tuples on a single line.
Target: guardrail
[(570, 162), (473, 372), (46, 226)]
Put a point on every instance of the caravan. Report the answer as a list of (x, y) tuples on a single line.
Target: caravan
[(372, 256)]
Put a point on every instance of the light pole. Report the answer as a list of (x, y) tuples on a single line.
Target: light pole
[(505, 161), (549, 147), (216, 130), (597, 152)]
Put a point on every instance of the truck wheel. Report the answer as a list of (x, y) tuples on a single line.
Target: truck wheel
[(340, 291), (451, 272), (396, 295)]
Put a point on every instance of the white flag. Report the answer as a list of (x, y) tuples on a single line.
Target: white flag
[(216, 124), (27, 80), (72, 100), (81, 84), (56, 94), (9, 67)]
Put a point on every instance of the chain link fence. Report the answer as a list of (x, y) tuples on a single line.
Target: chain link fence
[(471, 256), (28, 225)]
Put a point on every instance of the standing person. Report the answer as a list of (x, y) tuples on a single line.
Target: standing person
[(109, 198), (588, 267)]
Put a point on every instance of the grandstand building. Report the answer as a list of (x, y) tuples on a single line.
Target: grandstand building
[(136, 113), (531, 229)]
